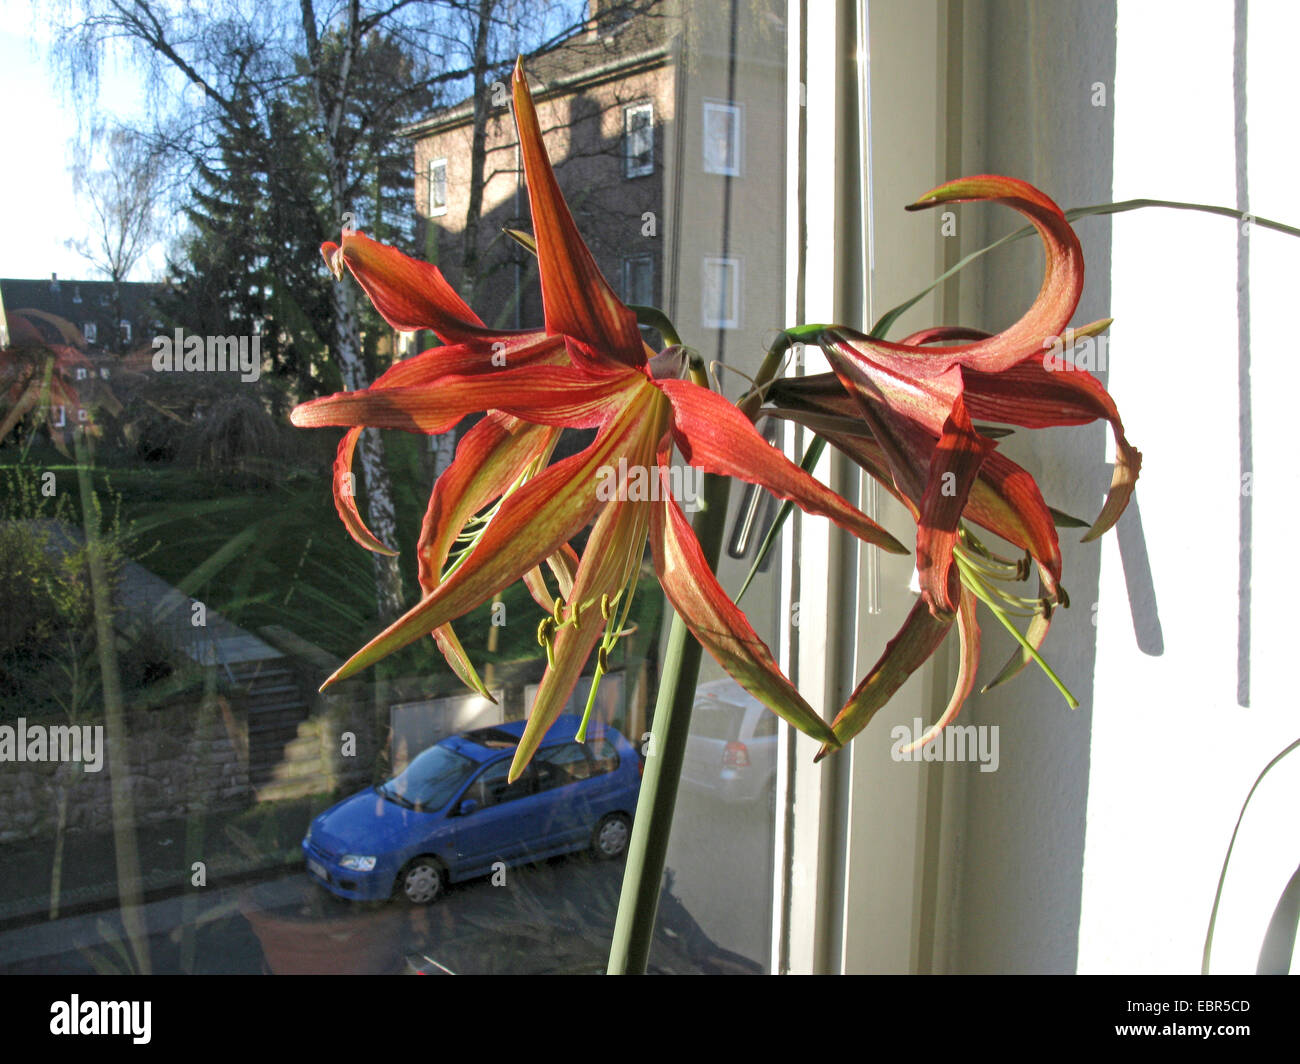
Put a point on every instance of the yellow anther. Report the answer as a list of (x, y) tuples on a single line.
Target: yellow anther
[(604, 606), (558, 611)]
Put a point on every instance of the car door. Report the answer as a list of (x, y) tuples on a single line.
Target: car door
[(505, 822)]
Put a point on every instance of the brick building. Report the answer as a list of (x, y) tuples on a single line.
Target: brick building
[(656, 126)]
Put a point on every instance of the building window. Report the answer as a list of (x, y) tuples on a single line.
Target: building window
[(438, 187), (638, 140), (124, 332), (723, 138), (639, 280), (720, 298), (88, 331)]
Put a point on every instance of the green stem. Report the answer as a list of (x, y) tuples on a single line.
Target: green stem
[(638, 904), (655, 318)]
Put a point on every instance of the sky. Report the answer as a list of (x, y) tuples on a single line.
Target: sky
[(41, 211)]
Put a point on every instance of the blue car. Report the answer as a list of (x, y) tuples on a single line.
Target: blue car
[(451, 815)]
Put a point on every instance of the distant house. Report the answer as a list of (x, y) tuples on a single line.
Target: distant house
[(112, 319), (90, 327)]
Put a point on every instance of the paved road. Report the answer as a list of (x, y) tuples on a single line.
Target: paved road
[(554, 916)]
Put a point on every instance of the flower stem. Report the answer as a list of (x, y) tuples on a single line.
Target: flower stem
[(638, 905)]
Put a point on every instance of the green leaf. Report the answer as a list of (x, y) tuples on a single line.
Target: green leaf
[(1279, 940), (1223, 874)]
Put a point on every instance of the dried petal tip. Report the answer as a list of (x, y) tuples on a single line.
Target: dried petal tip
[(333, 255)]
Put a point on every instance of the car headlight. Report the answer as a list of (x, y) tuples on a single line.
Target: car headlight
[(358, 864)]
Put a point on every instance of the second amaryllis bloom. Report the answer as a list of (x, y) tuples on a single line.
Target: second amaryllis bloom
[(904, 412)]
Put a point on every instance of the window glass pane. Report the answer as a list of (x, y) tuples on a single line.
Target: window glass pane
[(438, 186), (639, 280), (232, 589), (604, 758), (722, 133), (493, 786), (721, 293), (562, 765), (639, 122)]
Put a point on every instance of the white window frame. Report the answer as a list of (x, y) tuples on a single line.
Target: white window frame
[(436, 211), (707, 318), (861, 870), (737, 112), (89, 331), (631, 170)]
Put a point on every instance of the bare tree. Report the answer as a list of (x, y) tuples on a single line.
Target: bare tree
[(123, 198)]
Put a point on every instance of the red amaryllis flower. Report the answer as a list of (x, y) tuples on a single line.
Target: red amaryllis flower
[(904, 410), (604, 383)]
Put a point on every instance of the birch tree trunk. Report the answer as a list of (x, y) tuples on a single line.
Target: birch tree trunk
[(380, 514)]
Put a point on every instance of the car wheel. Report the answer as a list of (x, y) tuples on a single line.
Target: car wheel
[(610, 839), (421, 881)]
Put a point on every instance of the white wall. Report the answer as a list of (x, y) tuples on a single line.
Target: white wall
[(1097, 845)]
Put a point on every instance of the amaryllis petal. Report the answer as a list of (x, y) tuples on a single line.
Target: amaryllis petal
[(424, 369), (564, 566), (1034, 396), (1062, 284), (614, 551), (968, 630), (489, 459), (719, 624), (345, 496), (913, 399), (532, 524), (954, 467), (27, 401), (410, 294), (577, 299), (1006, 500), (549, 395), (919, 637), (715, 436), (512, 352)]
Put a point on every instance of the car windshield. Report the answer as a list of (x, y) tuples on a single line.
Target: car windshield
[(430, 780)]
